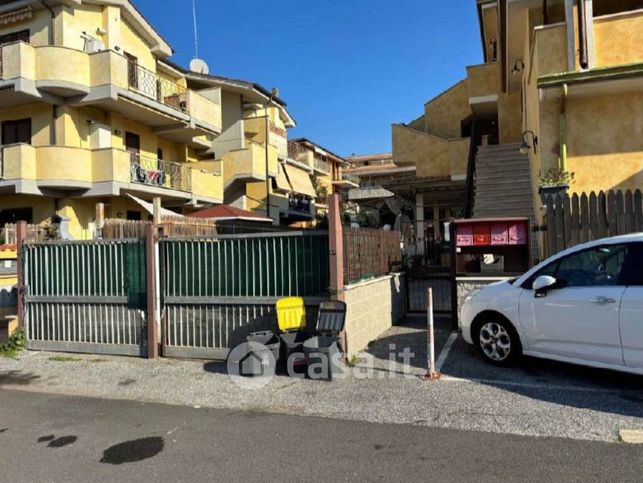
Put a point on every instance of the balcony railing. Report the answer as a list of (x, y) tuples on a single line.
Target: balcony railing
[(322, 164), (296, 151), (151, 85), (160, 173), (350, 177), (300, 204)]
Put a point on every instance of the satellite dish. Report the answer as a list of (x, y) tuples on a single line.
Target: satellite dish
[(199, 66)]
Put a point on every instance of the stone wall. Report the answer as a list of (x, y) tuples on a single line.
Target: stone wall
[(373, 306)]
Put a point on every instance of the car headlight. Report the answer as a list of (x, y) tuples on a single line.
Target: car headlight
[(472, 294)]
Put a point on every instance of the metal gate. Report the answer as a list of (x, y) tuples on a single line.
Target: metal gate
[(442, 290), (86, 296), (217, 290)]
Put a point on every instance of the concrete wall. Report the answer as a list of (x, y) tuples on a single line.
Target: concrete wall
[(373, 307), (444, 114)]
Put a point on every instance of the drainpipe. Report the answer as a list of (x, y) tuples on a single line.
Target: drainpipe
[(52, 37), (563, 128), (582, 35)]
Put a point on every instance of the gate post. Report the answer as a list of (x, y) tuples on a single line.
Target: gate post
[(336, 256), (21, 237), (150, 272), (335, 249)]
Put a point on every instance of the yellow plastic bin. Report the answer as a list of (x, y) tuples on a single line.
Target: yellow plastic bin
[(291, 319)]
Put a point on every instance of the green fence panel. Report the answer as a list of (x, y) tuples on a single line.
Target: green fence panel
[(274, 265)]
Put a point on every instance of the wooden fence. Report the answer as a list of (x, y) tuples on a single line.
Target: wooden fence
[(35, 233), (370, 253), (172, 226), (577, 219)]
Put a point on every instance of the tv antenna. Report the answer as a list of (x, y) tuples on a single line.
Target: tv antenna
[(197, 65)]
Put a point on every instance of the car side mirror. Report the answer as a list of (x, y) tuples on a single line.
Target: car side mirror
[(542, 284)]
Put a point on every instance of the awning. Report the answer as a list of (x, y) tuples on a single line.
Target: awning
[(149, 207), (281, 180), (300, 181)]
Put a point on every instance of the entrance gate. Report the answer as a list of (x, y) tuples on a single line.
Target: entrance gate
[(85, 296)]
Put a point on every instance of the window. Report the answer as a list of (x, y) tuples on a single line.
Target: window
[(16, 214), (546, 270), (21, 36), (632, 272), (133, 215), (14, 132), (598, 266)]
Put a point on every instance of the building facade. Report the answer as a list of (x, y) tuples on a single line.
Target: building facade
[(557, 101), (91, 110), (327, 170)]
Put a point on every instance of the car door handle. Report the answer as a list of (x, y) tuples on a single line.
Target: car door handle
[(601, 300)]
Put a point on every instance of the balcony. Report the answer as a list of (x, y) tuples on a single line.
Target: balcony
[(159, 173), (107, 80), (300, 205), (103, 172), (433, 156), (618, 39), (347, 180), (249, 164), (483, 84), (322, 165)]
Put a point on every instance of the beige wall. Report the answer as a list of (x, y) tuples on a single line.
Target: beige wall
[(41, 119), (433, 156), (373, 306), (618, 39), (509, 118), (443, 115)]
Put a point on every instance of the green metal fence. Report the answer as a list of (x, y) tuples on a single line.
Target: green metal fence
[(216, 291), (263, 265), (85, 296)]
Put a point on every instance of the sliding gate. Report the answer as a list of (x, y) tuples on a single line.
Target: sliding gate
[(215, 291), (86, 296)]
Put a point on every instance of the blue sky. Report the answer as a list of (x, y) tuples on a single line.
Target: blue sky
[(346, 68)]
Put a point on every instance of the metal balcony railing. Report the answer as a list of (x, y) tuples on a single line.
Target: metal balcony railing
[(322, 164), (159, 173), (151, 85), (350, 177), (296, 151), (300, 204)]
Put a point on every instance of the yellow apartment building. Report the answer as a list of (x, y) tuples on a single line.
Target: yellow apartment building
[(91, 110), (326, 169), (559, 92), (253, 145)]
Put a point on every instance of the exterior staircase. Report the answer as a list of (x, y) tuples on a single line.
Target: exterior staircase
[(503, 186), (502, 183)]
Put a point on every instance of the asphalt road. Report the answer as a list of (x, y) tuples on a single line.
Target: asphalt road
[(60, 438)]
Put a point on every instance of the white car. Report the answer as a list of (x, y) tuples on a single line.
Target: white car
[(583, 305)]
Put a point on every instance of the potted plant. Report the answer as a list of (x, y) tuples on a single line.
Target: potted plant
[(555, 181)]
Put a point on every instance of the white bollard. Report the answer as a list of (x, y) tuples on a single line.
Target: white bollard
[(431, 374)]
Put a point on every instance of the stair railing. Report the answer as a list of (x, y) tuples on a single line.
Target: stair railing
[(475, 140)]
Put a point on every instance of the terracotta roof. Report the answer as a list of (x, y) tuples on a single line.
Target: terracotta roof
[(227, 212)]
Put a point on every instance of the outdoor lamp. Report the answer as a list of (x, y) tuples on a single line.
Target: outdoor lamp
[(519, 65), (524, 149)]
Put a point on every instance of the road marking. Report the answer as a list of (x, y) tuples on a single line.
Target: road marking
[(632, 436), (445, 351), (536, 385)]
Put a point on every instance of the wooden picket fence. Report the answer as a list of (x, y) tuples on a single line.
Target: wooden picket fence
[(172, 226), (575, 219)]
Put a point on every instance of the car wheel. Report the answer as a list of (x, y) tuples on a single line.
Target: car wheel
[(498, 342)]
